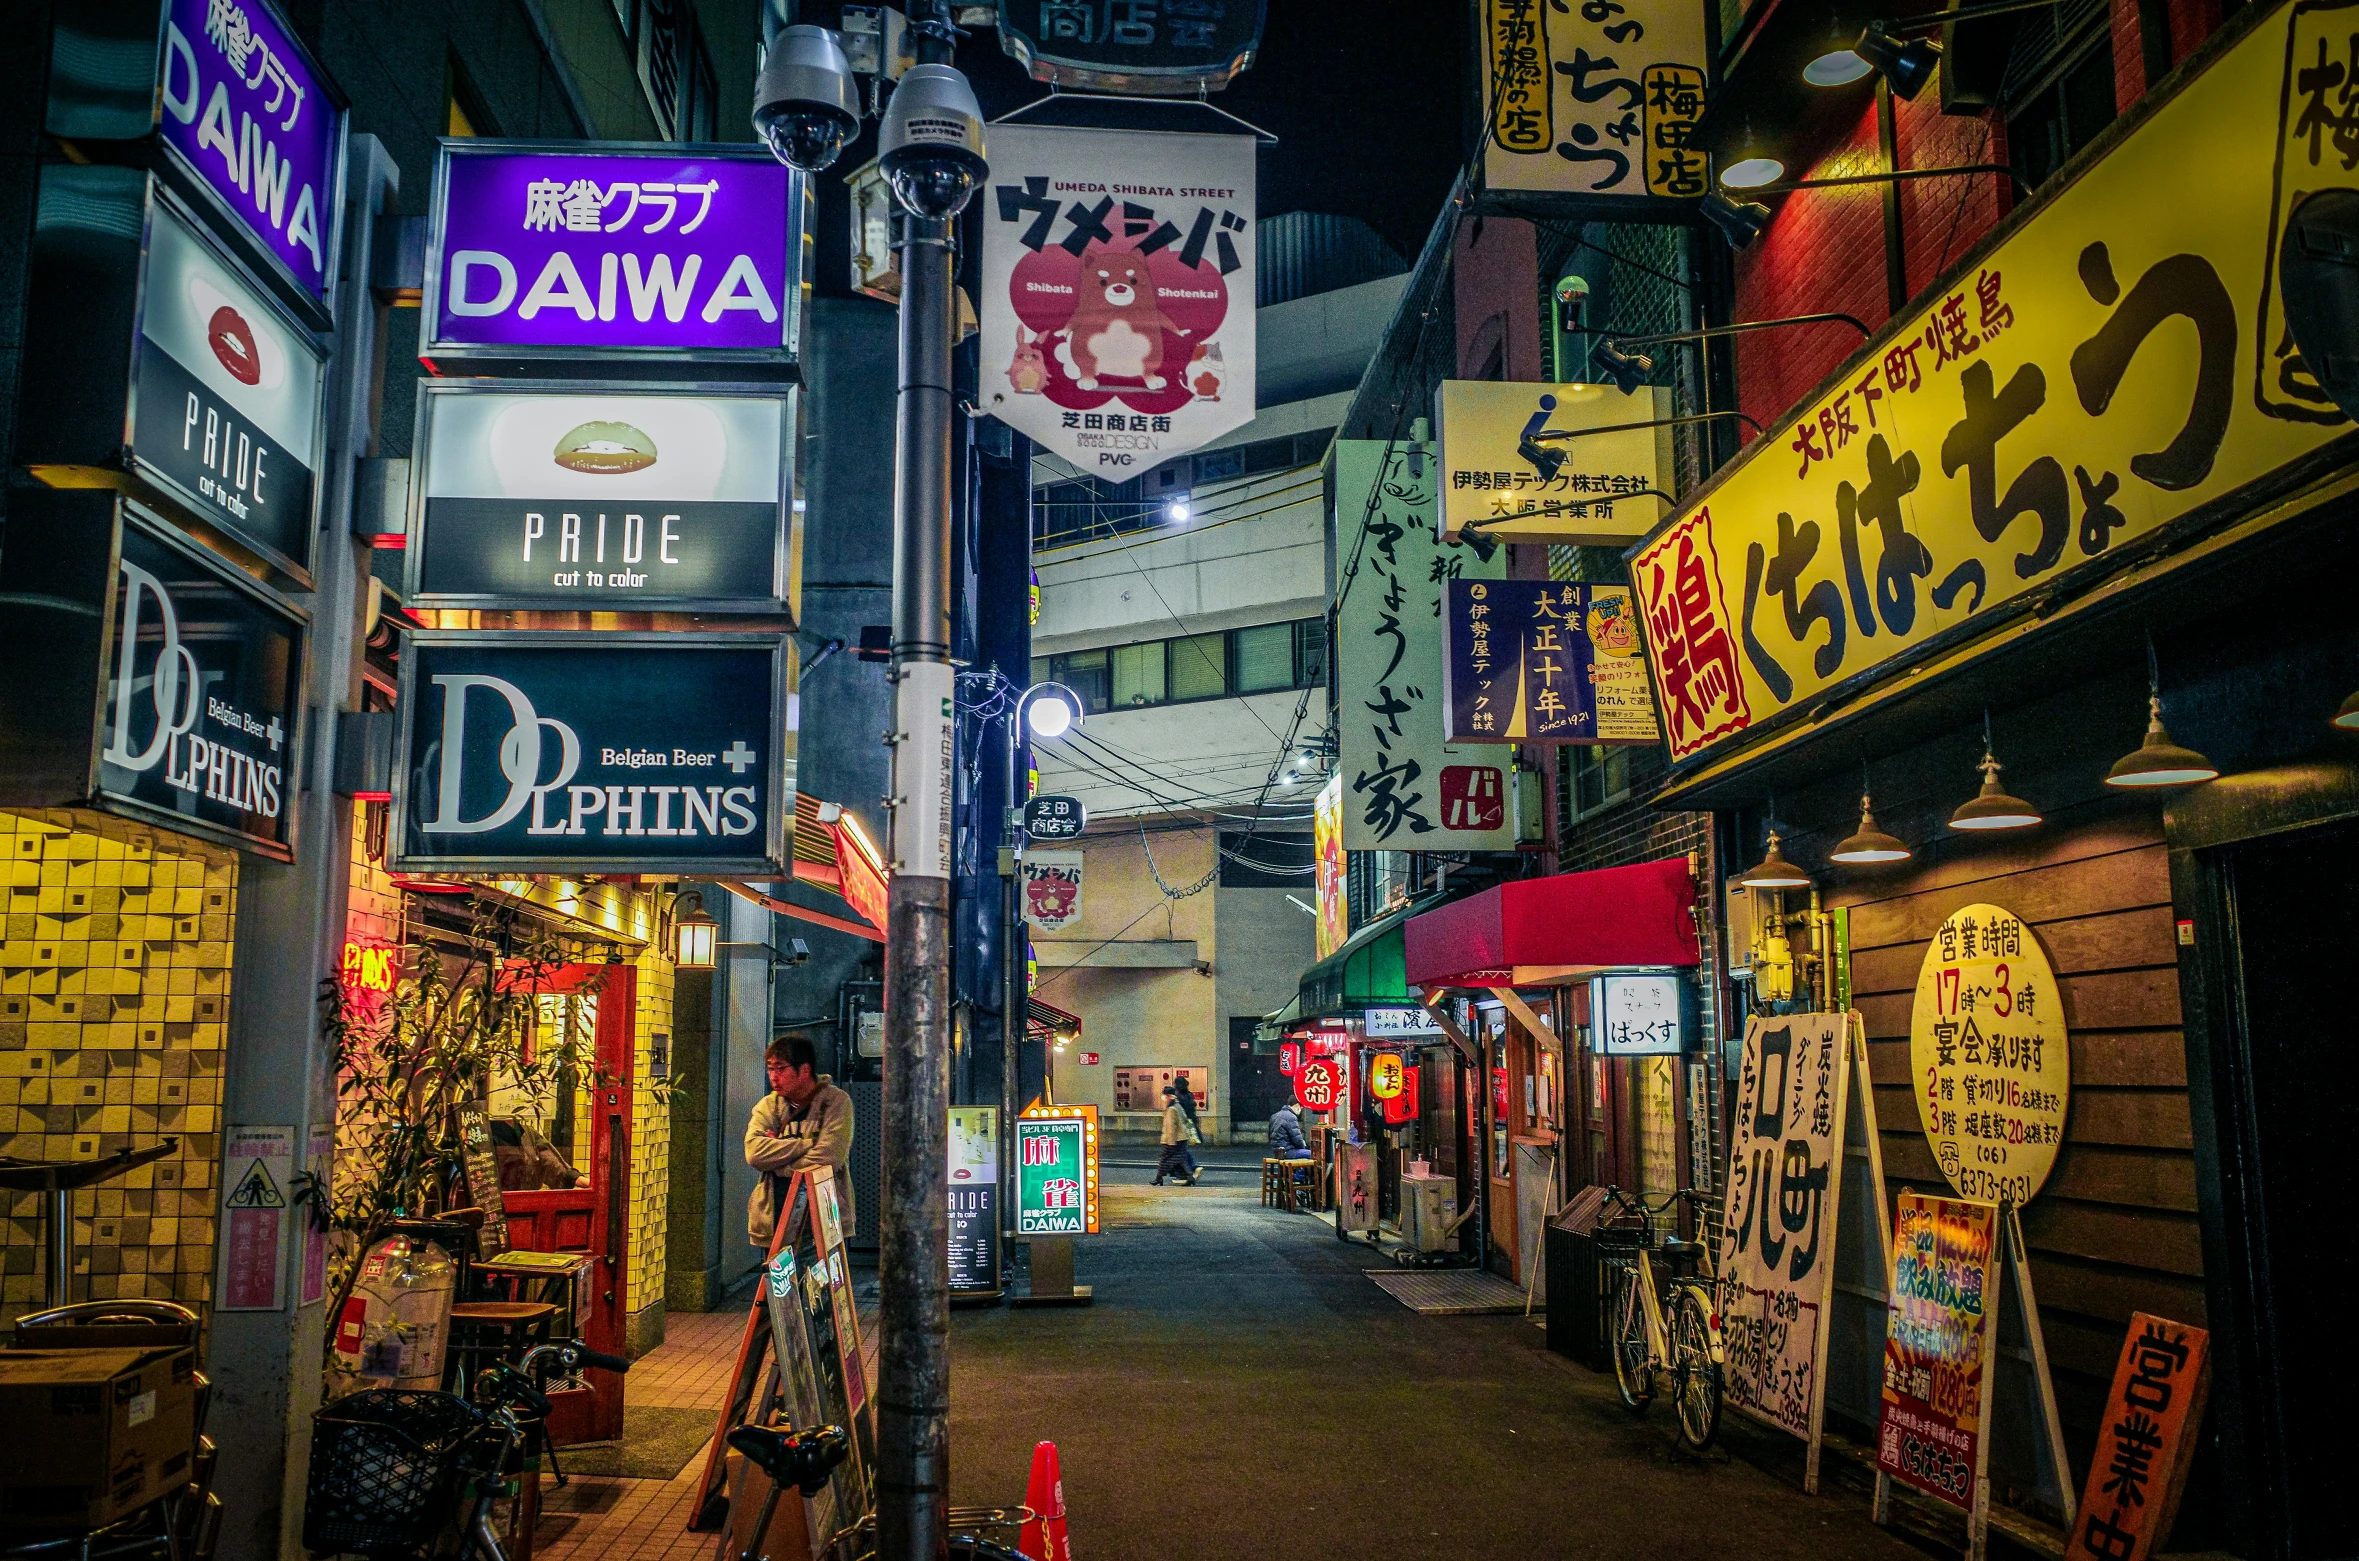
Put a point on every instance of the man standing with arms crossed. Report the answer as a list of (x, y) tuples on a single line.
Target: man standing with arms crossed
[(804, 1122)]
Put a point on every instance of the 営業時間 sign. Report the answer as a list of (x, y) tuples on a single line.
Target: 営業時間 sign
[(2113, 367), (148, 676), (566, 250), (592, 752), (1989, 1054), (602, 499)]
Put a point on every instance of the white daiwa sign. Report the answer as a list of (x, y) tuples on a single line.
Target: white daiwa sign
[(1118, 292)]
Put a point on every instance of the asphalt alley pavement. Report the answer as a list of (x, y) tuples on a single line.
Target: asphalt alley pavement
[(1240, 1389)]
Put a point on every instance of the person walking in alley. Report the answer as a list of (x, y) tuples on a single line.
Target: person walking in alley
[(1175, 1161), (804, 1122), (1186, 1097), (1286, 1136)]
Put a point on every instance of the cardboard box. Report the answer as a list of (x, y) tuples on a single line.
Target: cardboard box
[(94, 1434)]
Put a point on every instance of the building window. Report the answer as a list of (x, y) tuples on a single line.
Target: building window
[(1590, 780), (667, 50), (1267, 658), (2058, 104)]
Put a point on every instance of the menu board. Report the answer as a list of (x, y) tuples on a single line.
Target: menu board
[(481, 1169), (1936, 1344), (815, 1332), (974, 1200)]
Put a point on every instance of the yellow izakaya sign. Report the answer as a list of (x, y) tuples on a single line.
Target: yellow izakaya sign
[(1989, 1057), (2116, 364), (1529, 463), (1594, 99)]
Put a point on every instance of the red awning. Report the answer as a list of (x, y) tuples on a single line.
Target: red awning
[(1538, 931)]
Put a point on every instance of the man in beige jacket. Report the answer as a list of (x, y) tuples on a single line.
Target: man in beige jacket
[(804, 1121)]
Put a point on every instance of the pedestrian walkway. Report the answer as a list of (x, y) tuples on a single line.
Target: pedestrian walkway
[(1241, 1390)]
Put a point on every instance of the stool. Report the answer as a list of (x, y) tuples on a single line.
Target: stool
[(497, 1329), (1274, 1179), (1300, 1184)]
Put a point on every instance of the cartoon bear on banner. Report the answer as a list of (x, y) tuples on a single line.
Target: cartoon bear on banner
[(1113, 323)]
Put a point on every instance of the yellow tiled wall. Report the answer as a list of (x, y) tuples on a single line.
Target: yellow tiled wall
[(114, 1008), (651, 1134)]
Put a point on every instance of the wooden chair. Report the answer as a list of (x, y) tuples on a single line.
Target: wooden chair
[(1274, 1181)]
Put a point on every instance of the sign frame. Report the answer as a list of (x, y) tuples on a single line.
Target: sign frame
[(781, 361), (1080, 1123), (982, 1224), (1683, 999), (188, 178), (778, 603), (1048, 809), (775, 836)]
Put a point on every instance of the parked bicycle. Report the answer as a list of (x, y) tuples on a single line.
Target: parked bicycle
[(1682, 1339), (398, 1473), (805, 1460)]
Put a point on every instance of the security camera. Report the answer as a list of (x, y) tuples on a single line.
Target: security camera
[(931, 143), (806, 104), (797, 951)]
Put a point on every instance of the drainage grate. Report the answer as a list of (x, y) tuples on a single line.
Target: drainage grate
[(1457, 1292)]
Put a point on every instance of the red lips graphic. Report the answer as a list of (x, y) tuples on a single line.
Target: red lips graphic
[(232, 341)]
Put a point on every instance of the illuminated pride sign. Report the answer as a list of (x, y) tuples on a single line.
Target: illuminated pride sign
[(586, 251)]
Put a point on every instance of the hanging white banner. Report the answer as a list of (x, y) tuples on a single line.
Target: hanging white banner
[(1118, 287)]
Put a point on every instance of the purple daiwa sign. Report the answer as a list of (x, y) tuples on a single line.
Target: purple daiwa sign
[(249, 114), (543, 249)]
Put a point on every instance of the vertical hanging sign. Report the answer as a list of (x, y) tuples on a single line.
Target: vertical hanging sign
[(1594, 100), (1327, 837), (1118, 289), (1404, 788)]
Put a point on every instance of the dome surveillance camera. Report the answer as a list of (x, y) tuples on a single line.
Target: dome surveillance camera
[(931, 143), (806, 104)]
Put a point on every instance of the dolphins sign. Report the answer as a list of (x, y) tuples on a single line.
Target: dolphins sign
[(593, 752)]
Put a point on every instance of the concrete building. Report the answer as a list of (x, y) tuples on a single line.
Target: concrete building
[(1188, 609)]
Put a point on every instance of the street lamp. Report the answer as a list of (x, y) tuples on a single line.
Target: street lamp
[(1049, 710), (694, 935)]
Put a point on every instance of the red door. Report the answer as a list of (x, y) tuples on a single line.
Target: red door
[(593, 1216)]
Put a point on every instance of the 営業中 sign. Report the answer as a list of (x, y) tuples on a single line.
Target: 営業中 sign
[(147, 675), (612, 499), (1048, 884), (1405, 787), (592, 751), (2113, 367), (1988, 1051), (1937, 1337), (2146, 1442), (1118, 292), (1057, 1171), (573, 250), (1544, 661), (1183, 48), (1778, 1224), (1597, 99), (1513, 485), (1637, 1015), (244, 110)]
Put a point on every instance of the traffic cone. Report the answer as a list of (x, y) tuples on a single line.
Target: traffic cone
[(1043, 1537)]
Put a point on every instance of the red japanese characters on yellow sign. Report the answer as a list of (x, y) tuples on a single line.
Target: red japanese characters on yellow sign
[(1384, 1075)]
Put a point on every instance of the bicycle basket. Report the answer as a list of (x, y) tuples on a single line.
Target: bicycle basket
[(1621, 1238), (384, 1470)]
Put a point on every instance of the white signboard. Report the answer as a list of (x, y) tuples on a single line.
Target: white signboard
[(1405, 789), (1636, 1016), (1383, 1024), (1118, 285), (1594, 99), (1050, 883), (1777, 1242)]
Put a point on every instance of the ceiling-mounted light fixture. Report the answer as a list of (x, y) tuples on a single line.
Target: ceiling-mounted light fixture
[(1754, 168), (2347, 717), (1869, 846), (1992, 807), (1774, 871), (1840, 64), (2158, 761)]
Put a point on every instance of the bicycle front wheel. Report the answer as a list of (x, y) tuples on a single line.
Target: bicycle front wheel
[(1633, 1372), (1694, 1374)]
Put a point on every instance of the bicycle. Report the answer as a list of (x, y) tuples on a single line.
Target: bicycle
[(389, 1466), (806, 1460), (1686, 1342)]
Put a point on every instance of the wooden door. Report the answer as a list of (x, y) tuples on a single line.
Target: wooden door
[(593, 1216)]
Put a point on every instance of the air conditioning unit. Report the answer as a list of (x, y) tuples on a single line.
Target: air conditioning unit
[(1429, 1207)]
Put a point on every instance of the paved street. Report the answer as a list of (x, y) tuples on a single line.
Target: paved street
[(1239, 1389)]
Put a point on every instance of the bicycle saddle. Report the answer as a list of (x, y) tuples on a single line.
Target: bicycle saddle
[(803, 1459)]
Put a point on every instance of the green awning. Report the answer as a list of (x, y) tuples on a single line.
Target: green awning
[(1365, 973)]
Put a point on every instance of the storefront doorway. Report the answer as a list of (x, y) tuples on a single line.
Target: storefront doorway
[(2293, 902), (586, 1129)]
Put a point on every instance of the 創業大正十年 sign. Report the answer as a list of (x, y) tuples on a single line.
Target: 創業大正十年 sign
[(1544, 661)]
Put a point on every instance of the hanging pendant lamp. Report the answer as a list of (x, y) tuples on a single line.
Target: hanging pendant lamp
[(1992, 807), (2158, 761), (1774, 871), (1869, 846), (2347, 718)]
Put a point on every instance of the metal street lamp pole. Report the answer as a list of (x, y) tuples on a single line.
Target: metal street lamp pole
[(931, 146)]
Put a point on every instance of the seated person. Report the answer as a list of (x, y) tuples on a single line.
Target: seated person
[(1286, 1137), (528, 1162)]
